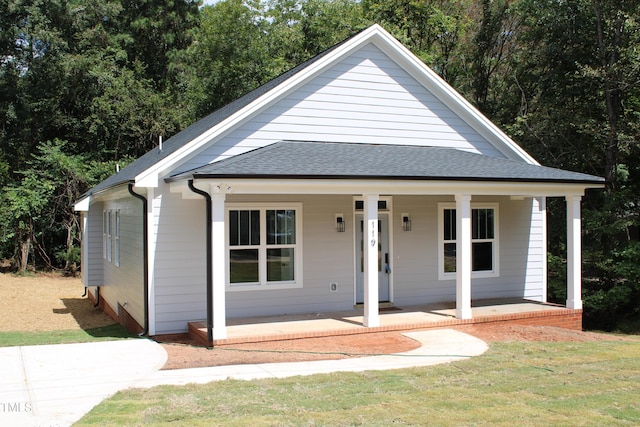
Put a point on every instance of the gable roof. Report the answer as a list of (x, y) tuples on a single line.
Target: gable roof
[(327, 160), (146, 170)]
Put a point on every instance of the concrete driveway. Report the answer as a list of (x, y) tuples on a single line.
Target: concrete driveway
[(55, 385)]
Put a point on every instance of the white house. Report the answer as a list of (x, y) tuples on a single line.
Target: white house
[(357, 177)]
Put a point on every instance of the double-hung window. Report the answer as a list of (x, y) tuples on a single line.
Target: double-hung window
[(264, 247), (105, 234), (116, 237), (109, 234), (484, 240)]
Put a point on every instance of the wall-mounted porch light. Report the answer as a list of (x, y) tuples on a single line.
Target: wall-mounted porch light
[(339, 223), (406, 222)]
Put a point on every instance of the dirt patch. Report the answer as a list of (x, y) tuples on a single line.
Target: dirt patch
[(183, 353), (46, 302), (508, 332)]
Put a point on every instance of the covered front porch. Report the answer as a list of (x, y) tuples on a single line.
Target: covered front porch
[(313, 325), (386, 230)]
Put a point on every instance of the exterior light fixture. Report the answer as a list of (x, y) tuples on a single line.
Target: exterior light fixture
[(339, 223), (406, 222)]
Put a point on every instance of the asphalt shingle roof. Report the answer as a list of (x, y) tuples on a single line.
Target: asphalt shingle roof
[(329, 160)]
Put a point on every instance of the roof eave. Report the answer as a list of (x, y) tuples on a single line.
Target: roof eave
[(598, 183)]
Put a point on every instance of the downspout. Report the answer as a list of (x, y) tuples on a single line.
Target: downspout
[(97, 297), (209, 219), (145, 250)]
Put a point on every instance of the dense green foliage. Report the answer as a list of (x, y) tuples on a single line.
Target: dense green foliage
[(88, 84)]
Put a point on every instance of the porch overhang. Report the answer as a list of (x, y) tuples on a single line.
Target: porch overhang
[(372, 171), (408, 187)]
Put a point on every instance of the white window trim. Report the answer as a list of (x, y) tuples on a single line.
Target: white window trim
[(262, 248), (104, 234), (496, 241), (116, 237), (109, 236)]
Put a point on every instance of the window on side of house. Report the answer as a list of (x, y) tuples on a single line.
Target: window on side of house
[(109, 235), (104, 233), (484, 240), (264, 247), (116, 237)]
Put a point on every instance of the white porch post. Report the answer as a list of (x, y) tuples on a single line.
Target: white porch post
[(463, 256), (370, 243), (218, 263), (574, 255)]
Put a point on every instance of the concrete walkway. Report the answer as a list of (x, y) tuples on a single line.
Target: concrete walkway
[(57, 384)]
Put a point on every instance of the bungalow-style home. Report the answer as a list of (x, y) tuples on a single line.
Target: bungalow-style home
[(355, 178)]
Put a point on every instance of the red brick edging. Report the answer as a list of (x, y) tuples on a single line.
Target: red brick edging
[(565, 318)]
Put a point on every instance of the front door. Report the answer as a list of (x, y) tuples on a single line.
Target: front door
[(384, 266)]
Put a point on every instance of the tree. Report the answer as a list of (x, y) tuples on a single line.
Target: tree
[(578, 73), (432, 29)]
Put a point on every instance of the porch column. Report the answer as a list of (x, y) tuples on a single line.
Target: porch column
[(370, 243), (463, 256), (218, 263), (574, 255)]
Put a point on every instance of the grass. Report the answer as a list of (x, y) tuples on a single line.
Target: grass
[(524, 383), (104, 333)]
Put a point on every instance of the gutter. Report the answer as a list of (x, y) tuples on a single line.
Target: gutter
[(145, 245), (209, 219)]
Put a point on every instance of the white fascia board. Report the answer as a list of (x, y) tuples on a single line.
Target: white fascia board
[(82, 205), (443, 91), (418, 187), (151, 176)]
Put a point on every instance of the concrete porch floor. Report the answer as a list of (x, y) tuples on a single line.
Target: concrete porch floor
[(296, 326)]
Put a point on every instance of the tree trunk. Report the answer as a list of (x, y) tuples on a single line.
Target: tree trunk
[(25, 249), (609, 58)]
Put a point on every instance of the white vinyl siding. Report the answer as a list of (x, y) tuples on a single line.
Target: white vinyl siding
[(95, 253), (178, 277), (415, 263), (366, 98), (180, 267), (328, 258), (123, 283)]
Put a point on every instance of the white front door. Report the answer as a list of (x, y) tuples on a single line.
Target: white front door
[(384, 266)]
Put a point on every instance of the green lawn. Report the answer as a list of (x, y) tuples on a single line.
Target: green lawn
[(104, 333), (524, 384)]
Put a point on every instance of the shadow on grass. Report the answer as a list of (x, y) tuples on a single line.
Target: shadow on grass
[(68, 336), (114, 331)]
